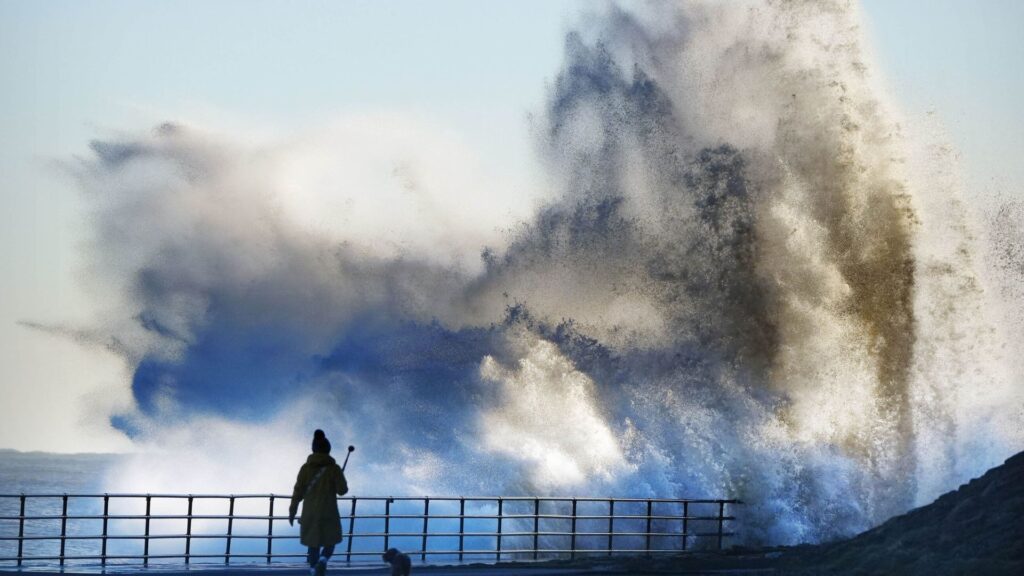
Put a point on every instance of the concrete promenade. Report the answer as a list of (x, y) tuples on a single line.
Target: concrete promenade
[(690, 564), (477, 570), (382, 570)]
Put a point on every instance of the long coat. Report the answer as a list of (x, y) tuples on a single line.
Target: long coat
[(320, 522)]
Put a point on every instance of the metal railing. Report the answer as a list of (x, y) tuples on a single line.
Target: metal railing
[(186, 528)]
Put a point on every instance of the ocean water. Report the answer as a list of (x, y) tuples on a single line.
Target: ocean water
[(40, 472), (54, 474)]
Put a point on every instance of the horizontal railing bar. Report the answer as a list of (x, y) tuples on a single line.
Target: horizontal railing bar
[(504, 534), (154, 495), (392, 498), (155, 517), (151, 537), (161, 517), (421, 517), (522, 534), (367, 517), (357, 535), (512, 516), (354, 552), (170, 556), (578, 517), (126, 495), (512, 534)]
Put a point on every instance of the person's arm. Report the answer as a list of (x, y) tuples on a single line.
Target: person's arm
[(297, 495)]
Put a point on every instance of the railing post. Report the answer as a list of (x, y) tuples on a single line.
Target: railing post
[(106, 514), (572, 541), (387, 522), (63, 526), (426, 517), (462, 524), (21, 530), (611, 525), (498, 551), (536, 526), (721, 519), (351, 527), (686, 523), (231, 522), (649, 511), (270, 529), (188, 532), (145, 548)]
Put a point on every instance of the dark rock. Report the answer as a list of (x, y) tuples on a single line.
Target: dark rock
[(975, 529)]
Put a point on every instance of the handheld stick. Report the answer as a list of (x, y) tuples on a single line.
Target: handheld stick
[(351, 449)]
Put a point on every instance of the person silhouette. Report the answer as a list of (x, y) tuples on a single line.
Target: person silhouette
[(319, 480)]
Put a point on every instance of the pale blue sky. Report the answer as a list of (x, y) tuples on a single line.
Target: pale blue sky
[(964, 59), (75, 70)]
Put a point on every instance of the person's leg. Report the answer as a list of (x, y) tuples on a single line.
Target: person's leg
[(312, 555), (321, 562)]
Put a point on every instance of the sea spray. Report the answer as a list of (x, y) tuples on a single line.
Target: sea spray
[(737, 290)]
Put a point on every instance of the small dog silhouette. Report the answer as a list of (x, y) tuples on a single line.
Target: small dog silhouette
[(401, 565)]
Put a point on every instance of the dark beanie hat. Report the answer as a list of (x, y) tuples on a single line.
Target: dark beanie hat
[(321, 445)]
